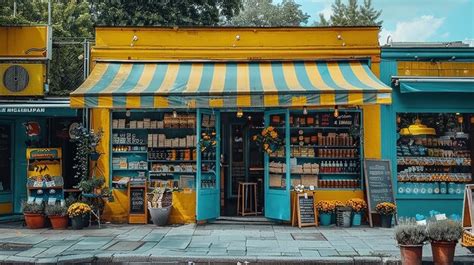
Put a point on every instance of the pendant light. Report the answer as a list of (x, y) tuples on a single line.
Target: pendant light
[(417, 128), (336, 111), (240, 113), (305, 111)]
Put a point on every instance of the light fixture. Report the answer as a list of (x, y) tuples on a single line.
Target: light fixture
[(240, 113), (305, 111), (336, 111), (249, 118), (417, 128), (175, 114)]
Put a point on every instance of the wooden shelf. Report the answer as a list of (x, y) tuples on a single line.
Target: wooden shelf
[(172, 161)]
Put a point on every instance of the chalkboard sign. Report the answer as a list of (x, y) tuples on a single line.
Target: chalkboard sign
[(137, 200), (305, 210), (137, 195), (468, 209), (378, 183)]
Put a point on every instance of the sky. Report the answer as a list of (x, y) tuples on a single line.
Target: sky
[(412, 20)]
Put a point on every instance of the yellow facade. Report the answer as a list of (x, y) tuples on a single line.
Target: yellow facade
[(239, 44), (448, 69), (24, 46)]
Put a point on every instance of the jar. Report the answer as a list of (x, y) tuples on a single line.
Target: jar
[(436, 188), (443, 188)]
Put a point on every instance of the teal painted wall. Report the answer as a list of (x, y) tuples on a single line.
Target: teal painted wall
[(419, 102)]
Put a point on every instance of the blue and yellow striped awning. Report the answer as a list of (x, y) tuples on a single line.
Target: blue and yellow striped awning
[(230, 85)]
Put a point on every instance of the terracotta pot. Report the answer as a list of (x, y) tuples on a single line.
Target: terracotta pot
[(34, 220), (59, 222), (443, 252), (411, 254)]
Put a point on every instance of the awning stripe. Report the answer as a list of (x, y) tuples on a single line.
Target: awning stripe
[(230, 85)]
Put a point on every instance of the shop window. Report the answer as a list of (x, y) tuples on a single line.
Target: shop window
[(434, 153), (5, 157)]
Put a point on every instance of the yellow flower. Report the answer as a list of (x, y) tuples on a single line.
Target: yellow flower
[(265, 146), (274, 134)]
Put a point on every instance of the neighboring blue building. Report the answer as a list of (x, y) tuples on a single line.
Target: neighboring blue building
[(433, 83)]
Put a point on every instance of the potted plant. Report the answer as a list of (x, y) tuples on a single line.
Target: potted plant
[(159, 205), (76, 212), (34, 215), (411, 237), (268, 140), (325, 210), (358, 206), (337, 205), (444, 235), (386, 211), (57, 214)]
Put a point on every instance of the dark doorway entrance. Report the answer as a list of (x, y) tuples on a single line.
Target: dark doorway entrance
[(242, 158)]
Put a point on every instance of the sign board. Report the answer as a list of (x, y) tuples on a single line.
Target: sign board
[(304, 209), (468, 208), (138, 213), (378, 184)]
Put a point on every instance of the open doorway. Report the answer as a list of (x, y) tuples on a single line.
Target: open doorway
[(242, 159)]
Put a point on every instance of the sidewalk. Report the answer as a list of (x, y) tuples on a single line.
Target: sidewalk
[(203, 243)]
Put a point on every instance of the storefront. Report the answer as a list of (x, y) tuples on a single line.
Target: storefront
[(427, 131), (160, 102)]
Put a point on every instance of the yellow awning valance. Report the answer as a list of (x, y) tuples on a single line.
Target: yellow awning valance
[(230, 85)]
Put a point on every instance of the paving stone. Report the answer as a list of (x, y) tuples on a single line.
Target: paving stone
[(125, 246), (236, 252), (31, 252), (153, 237), (52, 252), (18, 259), (328, 253), (130, 258), (145, 247), (195, 244), (174, 243), (347, 253), (291, 254), (310, 253), (79, 258), (47, 261), (261, 243)]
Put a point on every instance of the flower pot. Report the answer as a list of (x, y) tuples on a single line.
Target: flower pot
[(443, 251), (34, 220), (86, 217), (356, 219), (411, 254), (386, 220), (333, 218), (58, 221), (77, 222), (325, 219), (160, 216)]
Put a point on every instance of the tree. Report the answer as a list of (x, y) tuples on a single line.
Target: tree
[(352, 14), (264, 13), (163, 13)]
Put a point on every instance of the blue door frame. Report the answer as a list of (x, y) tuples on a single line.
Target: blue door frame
[(208, 198), (277, 201)]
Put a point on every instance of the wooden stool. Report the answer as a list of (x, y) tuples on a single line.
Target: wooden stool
[(246, 203)]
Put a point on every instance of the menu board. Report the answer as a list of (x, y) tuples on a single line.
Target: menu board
[(378, 182), (468, 209), (137, 200), (305, 210)]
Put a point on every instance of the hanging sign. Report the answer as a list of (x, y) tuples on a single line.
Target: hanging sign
[(378, 183)]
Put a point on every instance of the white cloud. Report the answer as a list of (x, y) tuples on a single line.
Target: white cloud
[(418, 29), (327, 11)]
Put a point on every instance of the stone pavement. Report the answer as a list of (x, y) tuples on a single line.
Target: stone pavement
[(210, 243)]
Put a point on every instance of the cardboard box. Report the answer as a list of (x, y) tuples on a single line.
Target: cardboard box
[(155, 140), (146, 123), (153, 124), (121, 124), (275, 180), (175, 142), (161, 140), (309, 180), (115, 123), (159, 124), (168, 142), (133, 124), (139, 124), (182, 142), (150, 140)]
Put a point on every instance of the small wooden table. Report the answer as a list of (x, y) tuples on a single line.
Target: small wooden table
[(246, 203)]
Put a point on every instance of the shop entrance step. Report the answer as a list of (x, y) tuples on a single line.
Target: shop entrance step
[(253, 220)]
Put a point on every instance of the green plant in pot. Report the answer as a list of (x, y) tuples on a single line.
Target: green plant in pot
[(34, 215), (444, 235), (57, 214), (159, 205), (411, 237)]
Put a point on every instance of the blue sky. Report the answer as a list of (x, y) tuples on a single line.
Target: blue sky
[(413, 20)]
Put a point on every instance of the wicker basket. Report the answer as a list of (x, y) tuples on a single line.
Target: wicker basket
[(468, 238)]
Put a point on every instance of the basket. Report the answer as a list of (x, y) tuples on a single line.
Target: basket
[(468, 238)]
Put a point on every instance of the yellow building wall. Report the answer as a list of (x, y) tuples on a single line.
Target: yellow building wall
[(452, 69), (170, 44), (6, 208), (15, 41)]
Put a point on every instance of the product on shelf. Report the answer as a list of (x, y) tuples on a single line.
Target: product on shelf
[(416, 188), (172, 154), (332, 166), (172, 168), (127, 138), (339, 183)]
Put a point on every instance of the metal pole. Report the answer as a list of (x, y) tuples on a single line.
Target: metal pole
[(14, 8)]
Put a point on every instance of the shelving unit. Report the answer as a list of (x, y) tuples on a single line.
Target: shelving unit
[(433, 166), (325, 151), (160, 142)]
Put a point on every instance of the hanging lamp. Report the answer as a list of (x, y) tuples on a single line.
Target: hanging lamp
[(417, 128)]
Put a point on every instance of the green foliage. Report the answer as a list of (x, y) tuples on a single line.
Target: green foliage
[(86, 144), (32, 207), (264, 13), (88, 185), (352, 14), (444, 230), (56, 210), (409, 233), (163, 13)]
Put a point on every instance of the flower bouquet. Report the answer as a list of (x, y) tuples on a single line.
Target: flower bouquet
[(325, 210), (268, 140), (358, 206), (386, 211), (208, 140), (76, 212)]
